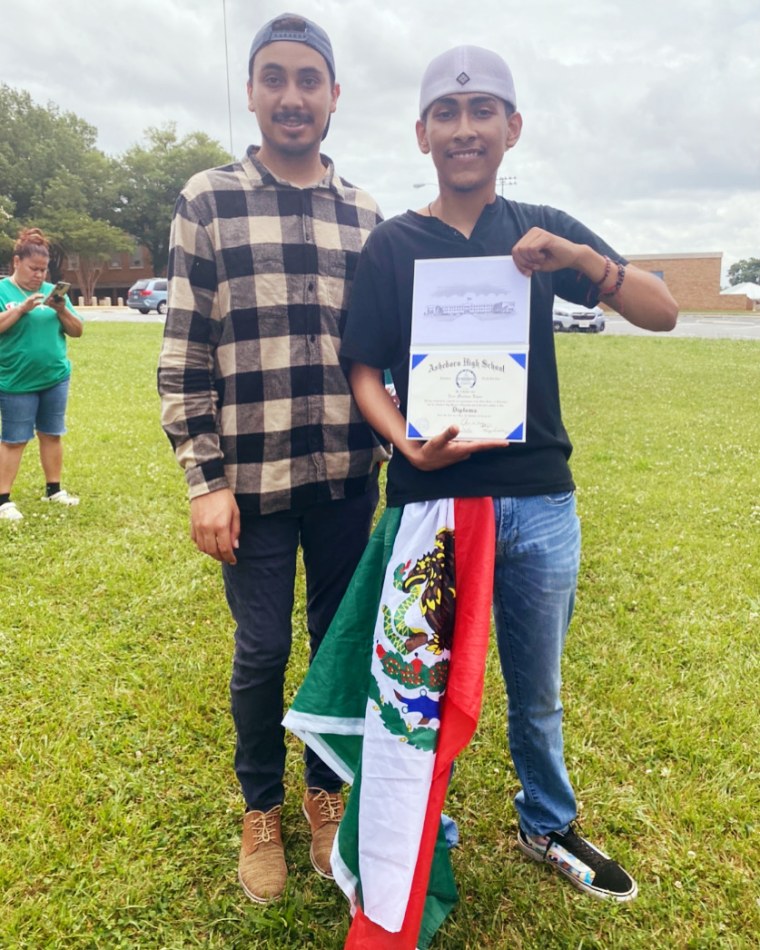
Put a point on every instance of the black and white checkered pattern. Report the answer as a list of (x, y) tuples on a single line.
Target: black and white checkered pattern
[(254, 396)]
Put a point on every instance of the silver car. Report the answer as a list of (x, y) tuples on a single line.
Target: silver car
[(575, 318)]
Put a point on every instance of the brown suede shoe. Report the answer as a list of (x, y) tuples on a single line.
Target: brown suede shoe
[(261, 869), (323, 811)]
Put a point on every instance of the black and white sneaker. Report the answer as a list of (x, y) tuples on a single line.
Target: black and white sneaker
[(585, 866)]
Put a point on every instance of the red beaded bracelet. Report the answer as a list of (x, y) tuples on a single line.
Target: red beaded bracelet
[(607, 265), (614, 288)]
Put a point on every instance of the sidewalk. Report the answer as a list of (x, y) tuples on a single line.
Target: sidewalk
[(118, 315)]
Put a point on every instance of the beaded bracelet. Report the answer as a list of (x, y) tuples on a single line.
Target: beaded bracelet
[(607, 266), (613, 289)]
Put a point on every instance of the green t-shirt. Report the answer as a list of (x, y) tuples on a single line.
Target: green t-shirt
[(33, 350)]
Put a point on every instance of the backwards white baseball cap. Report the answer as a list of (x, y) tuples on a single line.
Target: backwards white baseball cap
[(467, 69)]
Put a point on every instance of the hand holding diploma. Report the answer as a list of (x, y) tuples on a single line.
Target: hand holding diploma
[(442, 451), (379, 409)]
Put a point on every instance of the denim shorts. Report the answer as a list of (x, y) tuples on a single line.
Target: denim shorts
[(22, 413)]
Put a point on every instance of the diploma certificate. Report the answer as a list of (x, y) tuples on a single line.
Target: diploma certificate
[(484, 393), (468, 361)]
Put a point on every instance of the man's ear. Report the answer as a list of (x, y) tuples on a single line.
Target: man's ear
[(335, 95), (514, 128), (249, 89), (422, 139)]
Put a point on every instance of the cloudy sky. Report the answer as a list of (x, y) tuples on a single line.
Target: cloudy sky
[(641, 117)]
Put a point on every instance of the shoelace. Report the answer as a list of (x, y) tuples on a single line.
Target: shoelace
[(265, 826), (581, 848), (329, 806)]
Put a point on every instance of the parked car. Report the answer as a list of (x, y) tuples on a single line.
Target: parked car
[(575, 318), (147, 295)]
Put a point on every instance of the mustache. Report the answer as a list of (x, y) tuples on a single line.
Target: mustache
[(287, 116)]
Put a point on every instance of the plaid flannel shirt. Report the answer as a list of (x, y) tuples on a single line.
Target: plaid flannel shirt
[(254, 396)]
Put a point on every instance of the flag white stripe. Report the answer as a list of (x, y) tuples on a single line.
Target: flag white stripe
[(334, 725)]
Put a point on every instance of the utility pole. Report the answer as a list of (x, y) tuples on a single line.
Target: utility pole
[(505, 180), (227, 67)]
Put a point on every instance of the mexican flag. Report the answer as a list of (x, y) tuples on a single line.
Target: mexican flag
[(390, 700)]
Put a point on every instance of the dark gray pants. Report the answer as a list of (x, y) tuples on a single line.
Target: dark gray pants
[(260, 593)]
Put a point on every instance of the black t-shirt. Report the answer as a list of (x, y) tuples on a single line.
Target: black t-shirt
[(378, 334)]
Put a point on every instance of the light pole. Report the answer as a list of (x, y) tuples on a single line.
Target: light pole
[(227, 68), (505, 180), (501, 182)]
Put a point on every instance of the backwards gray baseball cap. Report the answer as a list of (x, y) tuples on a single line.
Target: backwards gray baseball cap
[(467, 69), (292, 28)]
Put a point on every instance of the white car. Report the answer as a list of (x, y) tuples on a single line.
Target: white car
[(575, 318)]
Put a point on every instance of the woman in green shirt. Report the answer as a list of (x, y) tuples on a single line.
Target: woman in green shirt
[(34, 369)]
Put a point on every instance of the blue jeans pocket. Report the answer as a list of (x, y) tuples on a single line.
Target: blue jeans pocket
[(557, 499)]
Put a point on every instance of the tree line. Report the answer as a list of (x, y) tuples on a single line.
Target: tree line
[(53, 176)]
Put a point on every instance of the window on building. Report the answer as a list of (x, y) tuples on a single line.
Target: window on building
[(72, 261), (137, 257), (115, 262)]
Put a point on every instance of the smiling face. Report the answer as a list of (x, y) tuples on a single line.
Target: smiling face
[(467, 135), (292, 94), (29, 272)]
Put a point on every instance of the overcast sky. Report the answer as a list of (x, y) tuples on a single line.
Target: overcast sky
[(641, 117)]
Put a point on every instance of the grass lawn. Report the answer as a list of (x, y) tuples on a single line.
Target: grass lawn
[(119, 814)]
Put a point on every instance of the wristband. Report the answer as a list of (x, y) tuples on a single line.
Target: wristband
[(613, 288), (607, 266)]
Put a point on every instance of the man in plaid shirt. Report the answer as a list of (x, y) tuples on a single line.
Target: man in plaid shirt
[(258, 409)]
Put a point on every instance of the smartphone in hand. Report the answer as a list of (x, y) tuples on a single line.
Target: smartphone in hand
[(57, 293)]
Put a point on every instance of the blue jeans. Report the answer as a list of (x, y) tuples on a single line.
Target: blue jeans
[(22, 413), (537, 558), (260, 594)]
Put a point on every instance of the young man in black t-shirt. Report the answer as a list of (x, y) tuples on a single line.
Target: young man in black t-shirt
[(468, 120)]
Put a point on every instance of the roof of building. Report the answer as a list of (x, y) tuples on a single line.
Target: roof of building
[(674, 257), (749, 289)]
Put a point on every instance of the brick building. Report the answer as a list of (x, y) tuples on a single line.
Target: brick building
[(693, 279), (116, 277)]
